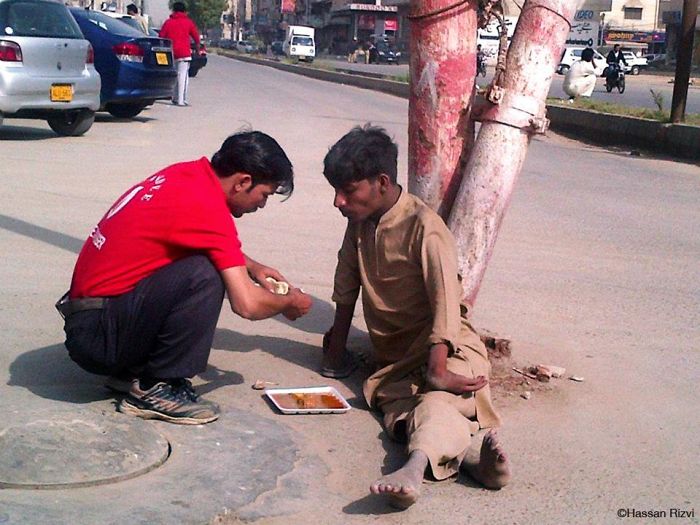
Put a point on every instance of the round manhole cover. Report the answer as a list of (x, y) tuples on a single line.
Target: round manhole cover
[(78, 450)]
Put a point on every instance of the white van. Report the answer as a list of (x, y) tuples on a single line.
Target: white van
[(300, 43)]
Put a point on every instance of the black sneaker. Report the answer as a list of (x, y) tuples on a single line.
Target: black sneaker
[(174, 402)]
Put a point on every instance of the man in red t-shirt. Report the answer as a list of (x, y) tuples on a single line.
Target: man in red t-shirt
[(149, 282), (180, 28)]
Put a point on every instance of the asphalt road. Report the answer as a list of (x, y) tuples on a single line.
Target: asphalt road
[(596, 269), (636, 93)]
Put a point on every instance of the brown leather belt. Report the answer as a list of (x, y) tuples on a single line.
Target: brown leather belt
[(66, 306)]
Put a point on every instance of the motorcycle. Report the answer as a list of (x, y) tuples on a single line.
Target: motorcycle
[(615, 78)]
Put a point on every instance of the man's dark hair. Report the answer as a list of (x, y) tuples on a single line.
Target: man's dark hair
[(363, 153), (179, 7), (131, 8), (258, 155), (587, 55)]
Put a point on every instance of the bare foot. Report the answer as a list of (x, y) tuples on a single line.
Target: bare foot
[(491, 468), (403, 486)]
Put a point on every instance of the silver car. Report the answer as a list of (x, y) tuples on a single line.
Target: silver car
[(46, 67)]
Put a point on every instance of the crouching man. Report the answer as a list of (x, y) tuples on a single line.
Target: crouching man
[(149, 282), (431, 385)]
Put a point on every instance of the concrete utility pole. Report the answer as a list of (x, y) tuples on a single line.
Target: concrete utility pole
[(515, 110), (443, 68), (683, 60)]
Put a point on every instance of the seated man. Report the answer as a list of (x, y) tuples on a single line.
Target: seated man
[(149, 282), (431, 384)]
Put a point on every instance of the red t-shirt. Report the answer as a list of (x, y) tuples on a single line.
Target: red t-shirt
[(177, 212)]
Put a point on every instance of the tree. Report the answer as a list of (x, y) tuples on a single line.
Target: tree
[(205, 13)]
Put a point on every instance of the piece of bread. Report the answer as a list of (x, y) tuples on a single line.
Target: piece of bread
[(280, 287)]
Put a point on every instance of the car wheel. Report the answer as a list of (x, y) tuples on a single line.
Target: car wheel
[(563, 69), (72, 123), (635, 70), (125, 110), (605, 73)]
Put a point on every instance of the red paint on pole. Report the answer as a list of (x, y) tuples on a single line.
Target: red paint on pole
[(443, 68)]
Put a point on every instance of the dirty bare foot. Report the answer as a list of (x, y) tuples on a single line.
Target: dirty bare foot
[(491, 468), (403, 486)]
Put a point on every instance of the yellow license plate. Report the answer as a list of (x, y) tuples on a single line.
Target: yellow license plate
[(61, 93), (162, 59)]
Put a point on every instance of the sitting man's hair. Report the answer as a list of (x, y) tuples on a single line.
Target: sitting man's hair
[(131, 8), (363, 153), (179, 7), (258, 155)]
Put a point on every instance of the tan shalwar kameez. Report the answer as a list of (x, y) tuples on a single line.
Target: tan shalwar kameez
[(406, 266)]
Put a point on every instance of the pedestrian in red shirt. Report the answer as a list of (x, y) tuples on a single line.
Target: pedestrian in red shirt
[(149, 282), (180, 28)]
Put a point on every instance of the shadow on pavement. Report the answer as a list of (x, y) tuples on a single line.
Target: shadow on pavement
[(215, 378), (39, 233), (317, 321), (370, 505), (25, 133), (301, 354), (48, 372), (106, 118)]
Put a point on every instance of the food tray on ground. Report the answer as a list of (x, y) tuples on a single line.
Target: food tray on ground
[(308, 400)]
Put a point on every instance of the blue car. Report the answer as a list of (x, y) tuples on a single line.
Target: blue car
[(136, 69)]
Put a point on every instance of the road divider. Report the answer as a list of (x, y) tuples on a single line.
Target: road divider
[(676, 140)]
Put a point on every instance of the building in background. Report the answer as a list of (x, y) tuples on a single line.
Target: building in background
[(671, 18)]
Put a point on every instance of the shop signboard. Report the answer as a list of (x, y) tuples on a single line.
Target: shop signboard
[(644, 37), (391, 25), (584, 29)]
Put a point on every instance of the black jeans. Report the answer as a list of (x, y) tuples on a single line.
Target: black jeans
[(164, 326)]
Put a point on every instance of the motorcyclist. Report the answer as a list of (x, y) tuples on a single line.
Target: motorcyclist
[(615, 56), (613, 59)]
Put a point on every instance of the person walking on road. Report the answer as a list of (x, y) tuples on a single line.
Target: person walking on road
[(148, 285), (431, 384), (133, 10), (180, 28)]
